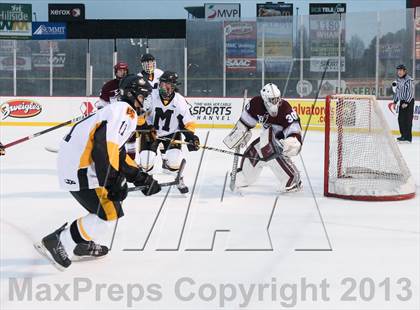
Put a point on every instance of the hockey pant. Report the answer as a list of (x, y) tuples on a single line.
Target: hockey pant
[(171, 153), (98, 225), (250, 169)]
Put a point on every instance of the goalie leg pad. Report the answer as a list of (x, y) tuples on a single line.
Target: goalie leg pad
[(147, 160), (174, 158), (285, 171), (250, 169)]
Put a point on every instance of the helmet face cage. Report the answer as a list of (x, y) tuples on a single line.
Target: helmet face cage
[(272, 98), (149, 66)]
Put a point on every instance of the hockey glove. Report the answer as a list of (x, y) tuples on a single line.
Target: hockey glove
[(193, 142), (151, 185), (291, 146), (2, 150), (150, 132), (117, 188)]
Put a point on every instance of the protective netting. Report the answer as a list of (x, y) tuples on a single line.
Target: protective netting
[(363, 160)]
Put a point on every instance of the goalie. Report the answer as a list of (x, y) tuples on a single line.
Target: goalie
[(280, 139)]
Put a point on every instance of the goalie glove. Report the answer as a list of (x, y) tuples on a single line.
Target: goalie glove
[(239, 136), (291, 146)]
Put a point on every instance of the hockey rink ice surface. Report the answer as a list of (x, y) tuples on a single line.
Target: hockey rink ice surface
[(267, 253)]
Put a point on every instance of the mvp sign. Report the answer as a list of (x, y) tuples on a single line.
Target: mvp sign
[(222, 11)]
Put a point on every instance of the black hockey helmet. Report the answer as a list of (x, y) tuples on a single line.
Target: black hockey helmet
[(132, 86), (147, 57), (401, 66), (169, 77)]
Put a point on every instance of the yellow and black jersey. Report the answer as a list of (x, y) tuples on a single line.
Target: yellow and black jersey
[(170, 116), (92, 153)]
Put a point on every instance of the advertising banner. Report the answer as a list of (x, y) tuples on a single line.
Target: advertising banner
[(48, 31), (418, 39), (66, 12), (222, 11), (241, 47), (275, 35), (23, 63), (324, 26), (212, 112), (15, 21), (274, 9)]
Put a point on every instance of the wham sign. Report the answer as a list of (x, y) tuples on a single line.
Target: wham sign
[(222, 11)]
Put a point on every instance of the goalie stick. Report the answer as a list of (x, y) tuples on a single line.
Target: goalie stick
[(174, 182), (237, 150)]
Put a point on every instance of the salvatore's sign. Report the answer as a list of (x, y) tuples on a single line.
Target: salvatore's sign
[(66, 12)]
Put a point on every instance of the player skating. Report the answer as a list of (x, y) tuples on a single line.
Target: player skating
[(280, 139), (149, 70), (170, 116), (110, 90), (93, 166)]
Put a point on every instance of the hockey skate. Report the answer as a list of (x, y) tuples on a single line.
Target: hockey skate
[(89, 251), (294, 187), (183, 189), (51, 247)]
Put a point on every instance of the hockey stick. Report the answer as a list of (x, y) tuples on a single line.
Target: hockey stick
[(236, 157), (174, 182), (210, 148), (30, 137)]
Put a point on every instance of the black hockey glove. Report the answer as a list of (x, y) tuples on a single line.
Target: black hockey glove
[(117, 188), (149, 131), (193, 142), (2, 150), (151, 185)]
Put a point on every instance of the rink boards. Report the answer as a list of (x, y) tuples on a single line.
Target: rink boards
[(210, 112)]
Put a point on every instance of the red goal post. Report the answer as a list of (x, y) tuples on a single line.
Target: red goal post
[(362, 160)]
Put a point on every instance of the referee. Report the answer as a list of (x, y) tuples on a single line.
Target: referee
[(403, 89)]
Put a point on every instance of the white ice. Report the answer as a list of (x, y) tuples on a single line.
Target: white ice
[(376, 240)]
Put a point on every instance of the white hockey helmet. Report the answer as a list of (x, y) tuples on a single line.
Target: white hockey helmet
[(271, 96)]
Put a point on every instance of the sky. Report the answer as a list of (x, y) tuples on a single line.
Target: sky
[(143, 9)]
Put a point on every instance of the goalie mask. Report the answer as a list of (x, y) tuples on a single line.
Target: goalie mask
[(131, 87), (148, 63), (271, 96)]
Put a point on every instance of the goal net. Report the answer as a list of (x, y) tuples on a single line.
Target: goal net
[(362, 159)]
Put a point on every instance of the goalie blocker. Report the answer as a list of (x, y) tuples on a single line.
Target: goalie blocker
[(279, 140)]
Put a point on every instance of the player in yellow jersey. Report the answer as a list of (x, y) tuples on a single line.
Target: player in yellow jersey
[(94, 167)]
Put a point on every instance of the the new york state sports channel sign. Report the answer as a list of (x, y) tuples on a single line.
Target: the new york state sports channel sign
[(222, 11)]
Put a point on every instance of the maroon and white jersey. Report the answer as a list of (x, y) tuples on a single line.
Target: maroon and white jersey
[(285, 124), (110, 91)]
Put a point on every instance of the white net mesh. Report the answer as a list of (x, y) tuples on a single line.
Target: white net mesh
[(363, 158)]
